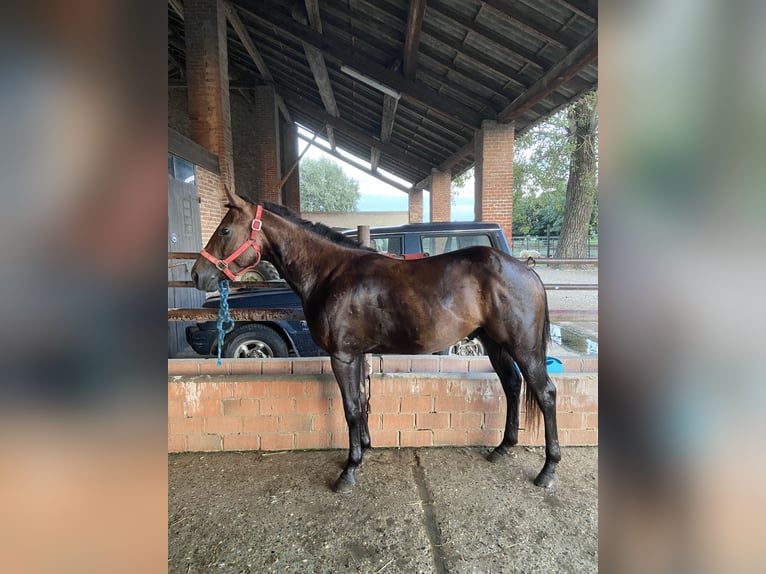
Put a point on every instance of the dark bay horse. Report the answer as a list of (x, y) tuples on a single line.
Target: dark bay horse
[(357, 301)]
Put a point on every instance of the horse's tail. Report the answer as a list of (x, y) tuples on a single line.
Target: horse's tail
[(533, 412)]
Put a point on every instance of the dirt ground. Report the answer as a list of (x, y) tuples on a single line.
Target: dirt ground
[(413, 510)]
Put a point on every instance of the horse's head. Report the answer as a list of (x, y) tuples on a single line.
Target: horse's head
[(234, 247)]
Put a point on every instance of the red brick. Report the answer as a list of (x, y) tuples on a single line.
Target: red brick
[(312, 405), (203, 442), (453, 365), (590, 365), (175, 408), (244, 366), (329, 423), (307, 366), (491, 420), (294, 423), (211, 367), (240, 407), (391, 364), (416, 438), (480, 365), (282, 441), (450, 404), (424, 386), (277, 406), (177, 391), (277, 366), (527, 438), (449, 437), (204, 408), (384, 404), (214, 390), (417, 404), (582, 437), (241, 442), (176, 443), (185, 426), (381, 438), (252, 389), (485, 404), (572, 365), (374, 421), (483, 437), (398, 422), (223, 425), (467, 420), (566, 420), (324, 388), (306, 440), (287, 389), (432, 420), (425, 365), (183, 367), (259, 424), (339, 440), (591, 421)]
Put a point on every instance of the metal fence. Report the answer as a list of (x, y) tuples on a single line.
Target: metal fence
[(546, 245)]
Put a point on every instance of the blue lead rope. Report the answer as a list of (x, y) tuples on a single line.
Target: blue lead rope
[(224, 324)]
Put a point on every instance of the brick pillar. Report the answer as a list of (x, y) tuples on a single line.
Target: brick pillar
[(493, 174), (291, 192), (416, 206), (440, 195), (266, 145), (207, 71)]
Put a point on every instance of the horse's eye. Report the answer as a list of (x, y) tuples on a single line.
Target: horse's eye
[(225, 231)]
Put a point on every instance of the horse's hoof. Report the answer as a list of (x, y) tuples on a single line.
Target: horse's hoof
[(343, 486), (496, 456), (546, 480)]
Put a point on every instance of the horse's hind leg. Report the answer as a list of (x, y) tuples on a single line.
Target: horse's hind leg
[(544, 392), (348, 371), (510, 378)]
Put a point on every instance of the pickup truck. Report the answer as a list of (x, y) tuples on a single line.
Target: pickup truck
[(292, 338)]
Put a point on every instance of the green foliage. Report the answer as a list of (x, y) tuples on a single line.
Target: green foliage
[(540, 174), (326, 187)]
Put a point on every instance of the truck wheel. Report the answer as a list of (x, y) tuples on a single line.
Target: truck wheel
[(264, 271), (254, 341)]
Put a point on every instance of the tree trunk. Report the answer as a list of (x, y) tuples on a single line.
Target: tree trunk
[(581, 186)]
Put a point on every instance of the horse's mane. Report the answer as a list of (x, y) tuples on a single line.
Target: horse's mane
[(318, 228)]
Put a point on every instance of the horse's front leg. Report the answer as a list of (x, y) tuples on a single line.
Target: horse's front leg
[(348, 370)]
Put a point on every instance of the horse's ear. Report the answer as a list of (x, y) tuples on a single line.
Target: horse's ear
[(233, 198)]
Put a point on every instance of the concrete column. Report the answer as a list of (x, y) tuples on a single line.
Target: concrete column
[(494, 174), (291, 192), (266, 145), (207, 70), (440, 195), (415, 201)]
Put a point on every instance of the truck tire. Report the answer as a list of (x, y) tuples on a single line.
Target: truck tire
[(254, 341), (264, 271)]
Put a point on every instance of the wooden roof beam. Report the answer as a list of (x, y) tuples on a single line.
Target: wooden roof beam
[(344, 54), (316, 61), (303, 105), (177, 8), (359, 166), (562, 72), (581, 7), (526, 24), (412, 37), (255, 55)]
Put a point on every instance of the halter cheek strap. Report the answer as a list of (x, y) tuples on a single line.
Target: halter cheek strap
[(223, 264)]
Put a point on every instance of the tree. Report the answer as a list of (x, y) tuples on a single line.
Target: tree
[(326, 187), (581, 185)]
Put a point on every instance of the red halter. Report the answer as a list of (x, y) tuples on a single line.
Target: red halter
[(223, 264)]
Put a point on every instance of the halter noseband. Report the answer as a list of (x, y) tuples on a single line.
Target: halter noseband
[(223, 264)]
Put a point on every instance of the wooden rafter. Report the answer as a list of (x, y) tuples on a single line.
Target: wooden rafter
[(415, 91), (526, 24), (177, 8), (300, 104), (581, 7), (364, 168), (412, 37)]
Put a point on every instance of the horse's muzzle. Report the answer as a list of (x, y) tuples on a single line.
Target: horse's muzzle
[(203, 278)]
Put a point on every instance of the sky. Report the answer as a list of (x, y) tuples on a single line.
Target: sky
[(376, 195)]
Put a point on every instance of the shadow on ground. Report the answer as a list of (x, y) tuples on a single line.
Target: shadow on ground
[(413, 510)]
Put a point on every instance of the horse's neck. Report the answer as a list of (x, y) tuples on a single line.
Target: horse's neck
[(297, 253)]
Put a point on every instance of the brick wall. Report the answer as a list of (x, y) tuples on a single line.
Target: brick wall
[(265, 143), (493, 174), (295, 404), (415, 207), (178, 112), (440, 195), (212, 200)]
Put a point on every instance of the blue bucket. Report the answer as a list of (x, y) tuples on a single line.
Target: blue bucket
[(554, 365)]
